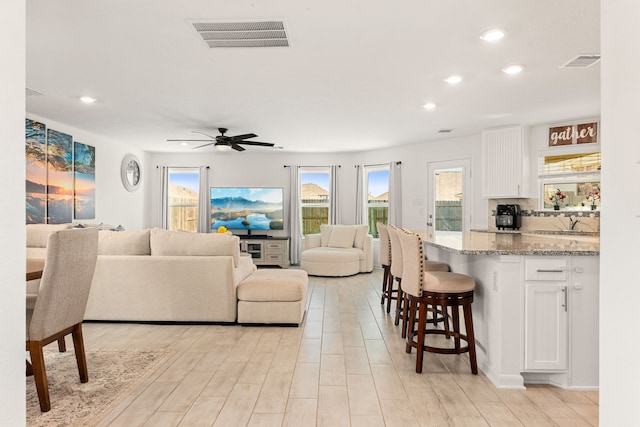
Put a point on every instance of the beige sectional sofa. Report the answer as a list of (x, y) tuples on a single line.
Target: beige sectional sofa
[(338, 250), (159, 275)]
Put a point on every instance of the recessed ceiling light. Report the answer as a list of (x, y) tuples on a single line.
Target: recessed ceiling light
[(452, 80), (492, 35), (184, 144), (429, 106), (87, 99), (513, 69)]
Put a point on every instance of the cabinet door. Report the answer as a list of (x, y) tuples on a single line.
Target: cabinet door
[(546, 326), (502, 161)]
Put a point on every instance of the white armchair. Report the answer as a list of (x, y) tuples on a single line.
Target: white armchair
[(338, 250)]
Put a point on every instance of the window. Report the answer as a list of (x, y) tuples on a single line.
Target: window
[(183, 199), (377, 185), (314, 198), (576, 176)]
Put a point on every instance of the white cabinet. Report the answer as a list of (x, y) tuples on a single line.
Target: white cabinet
[(546, 314), (561, 318), (504, 162), (268, 251)]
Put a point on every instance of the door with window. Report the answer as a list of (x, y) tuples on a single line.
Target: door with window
[(448, 196)]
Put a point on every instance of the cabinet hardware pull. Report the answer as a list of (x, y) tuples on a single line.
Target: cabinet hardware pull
[(564, 290), (549, 271)]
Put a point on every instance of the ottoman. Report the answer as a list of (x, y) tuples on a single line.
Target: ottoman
[(273, 296)]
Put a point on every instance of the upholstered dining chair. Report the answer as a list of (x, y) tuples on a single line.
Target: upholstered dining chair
[(396, 270), (436, 289), (57, 310), (384, 258)]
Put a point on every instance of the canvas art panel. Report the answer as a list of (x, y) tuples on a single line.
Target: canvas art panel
[(84, 181), (59, 177), (36, 172)]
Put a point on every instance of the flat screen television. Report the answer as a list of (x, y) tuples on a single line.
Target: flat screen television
[(247, 208)]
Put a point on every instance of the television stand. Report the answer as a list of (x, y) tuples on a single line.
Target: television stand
[(266, 250)]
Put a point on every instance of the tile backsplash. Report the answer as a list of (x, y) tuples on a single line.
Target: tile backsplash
[(534, 219)]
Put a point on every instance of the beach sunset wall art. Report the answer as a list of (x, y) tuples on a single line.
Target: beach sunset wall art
[(84, 181), (36, 176), (59, 177)]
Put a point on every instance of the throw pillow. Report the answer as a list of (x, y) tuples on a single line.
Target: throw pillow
[(361, 233), (325, 234), (342, 236)]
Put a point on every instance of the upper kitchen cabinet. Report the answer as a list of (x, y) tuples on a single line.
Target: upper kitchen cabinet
[(505, 162)]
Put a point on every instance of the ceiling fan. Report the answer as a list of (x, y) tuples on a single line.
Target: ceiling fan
[(225, 142)]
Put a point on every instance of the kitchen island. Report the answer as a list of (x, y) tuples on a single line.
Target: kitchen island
[(536, 303)]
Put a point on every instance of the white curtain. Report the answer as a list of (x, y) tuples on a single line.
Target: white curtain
[(334, 202), (359, 196), (395, 194), (203, 201), (160, 196), (295, 231)]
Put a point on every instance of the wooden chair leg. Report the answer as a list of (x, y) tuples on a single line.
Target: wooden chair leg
[(385, 268), (40, 374), (455, 314), (422, 322), (389, 291), (405, 315), (471, 341), (412, 320), (62, 345), (399, 308), (81, 358)]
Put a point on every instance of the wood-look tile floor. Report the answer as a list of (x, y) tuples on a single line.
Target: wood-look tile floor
[(344, 366)]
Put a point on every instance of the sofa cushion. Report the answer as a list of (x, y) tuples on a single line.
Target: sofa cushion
[(325, 234), (37, 234), (361, 233), (133, 242), (165, 243), (342, 236)]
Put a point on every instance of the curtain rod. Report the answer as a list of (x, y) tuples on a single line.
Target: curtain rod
[(183, 167), (379, 164), (288, 166)]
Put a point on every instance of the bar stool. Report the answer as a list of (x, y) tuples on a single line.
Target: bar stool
[(384, 258), (396, 271), (437, 289)]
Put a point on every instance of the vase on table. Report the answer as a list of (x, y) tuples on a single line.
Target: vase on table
[(593, 207), (556, 207)]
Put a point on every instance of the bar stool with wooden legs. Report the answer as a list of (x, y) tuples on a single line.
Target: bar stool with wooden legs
[(396, 271), (438, 289), (384, 258)]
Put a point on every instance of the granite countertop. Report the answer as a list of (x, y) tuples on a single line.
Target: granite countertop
[(523, 243)]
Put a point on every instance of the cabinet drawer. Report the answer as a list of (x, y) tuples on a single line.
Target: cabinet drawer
[(274, 258), (546, 269), (275, 246)]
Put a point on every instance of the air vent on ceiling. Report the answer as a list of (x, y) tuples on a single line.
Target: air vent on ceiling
[(581, 61), (31, 92), (243, 34), (445, 130)]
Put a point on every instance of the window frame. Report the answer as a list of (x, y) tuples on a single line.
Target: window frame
[(367, 169), (314, 170), (182, 170)]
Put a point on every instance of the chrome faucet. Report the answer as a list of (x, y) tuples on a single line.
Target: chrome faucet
[(572, 223)]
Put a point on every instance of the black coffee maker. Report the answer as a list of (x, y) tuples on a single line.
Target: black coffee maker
[(508, 217)]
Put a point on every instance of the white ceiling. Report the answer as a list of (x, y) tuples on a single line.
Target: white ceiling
[(354, 78)]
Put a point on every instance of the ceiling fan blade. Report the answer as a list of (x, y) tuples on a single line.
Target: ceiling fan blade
[(204, 145), (204, 134), (243, 136), (262, 144), (237, 147)]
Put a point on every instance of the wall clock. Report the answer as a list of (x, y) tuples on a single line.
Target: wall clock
[(130, 172)]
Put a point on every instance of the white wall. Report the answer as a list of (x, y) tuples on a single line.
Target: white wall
[(620, 224), (12, 228), (114, 204)]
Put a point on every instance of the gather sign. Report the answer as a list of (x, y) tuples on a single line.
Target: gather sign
[(583, 133)]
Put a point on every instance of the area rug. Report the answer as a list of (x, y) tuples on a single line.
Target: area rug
[(112, 376)]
